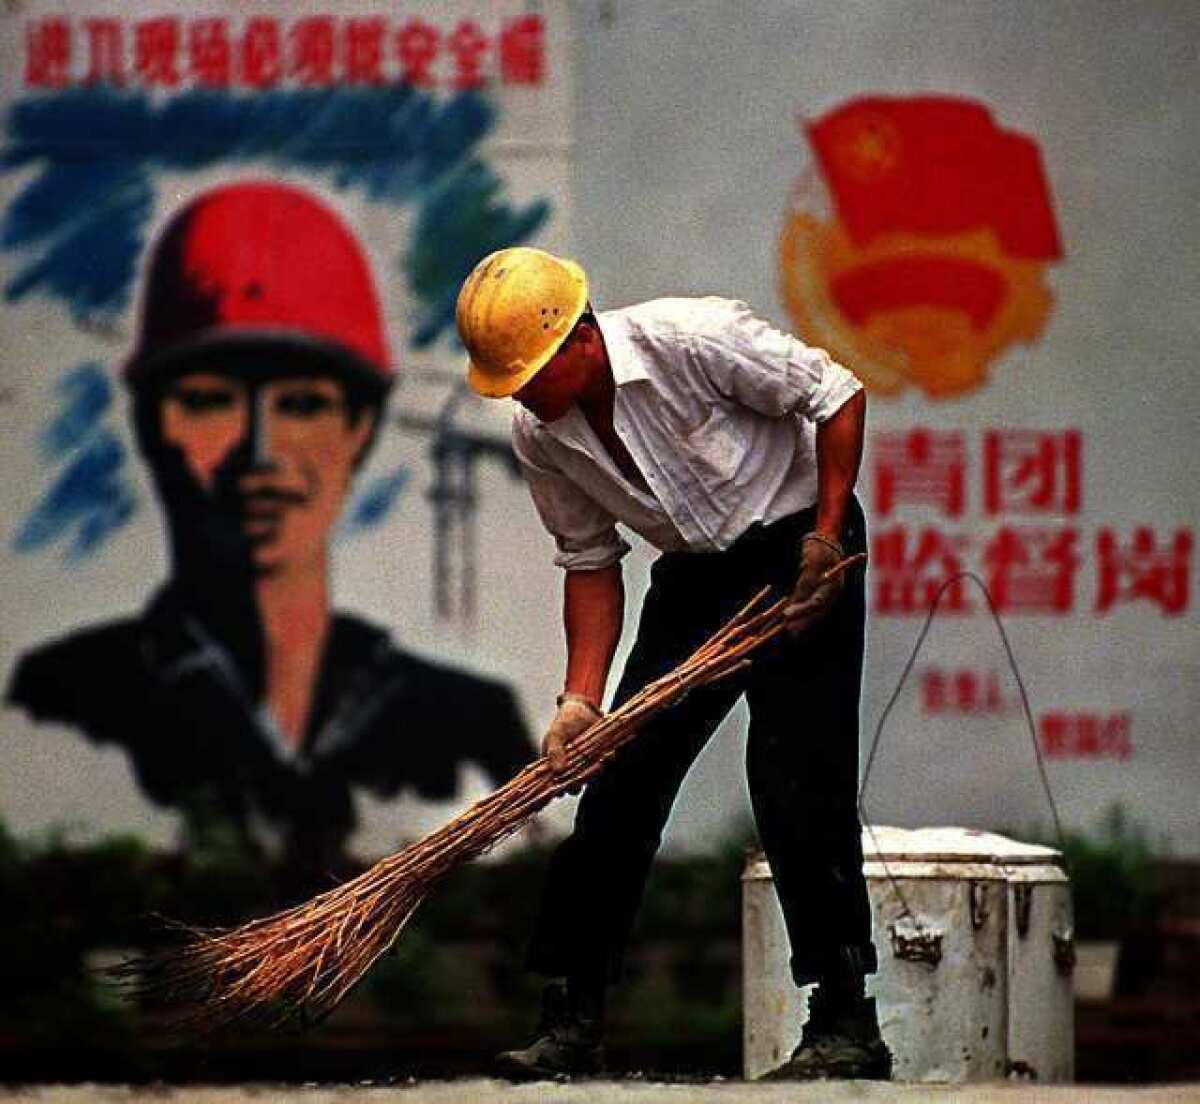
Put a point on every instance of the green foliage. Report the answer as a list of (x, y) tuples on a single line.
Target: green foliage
[(406, 977), (1114, 883), (455, 977)]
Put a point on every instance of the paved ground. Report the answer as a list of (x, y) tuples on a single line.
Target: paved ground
[(604, 1092)]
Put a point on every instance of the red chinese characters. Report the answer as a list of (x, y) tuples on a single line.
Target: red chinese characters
[(156, 52), (265, 51), (920, 466), (468, 45), (1032, 471), (1085, 735), (417, 44), (1028, 569), (523, 51), (261, 53), (106, 53), (1142, 570), (962, 692), (1032, 570), (48, 53), (364, 51), (210, 57), (312, 50), (908, 574)]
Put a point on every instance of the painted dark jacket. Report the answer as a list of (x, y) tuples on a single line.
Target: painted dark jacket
[(165, 689)]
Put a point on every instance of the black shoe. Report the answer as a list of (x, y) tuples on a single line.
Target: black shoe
[(568, 1042), (843, 1045)]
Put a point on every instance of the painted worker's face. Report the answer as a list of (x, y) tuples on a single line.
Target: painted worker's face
[(568, 376), (277, 454)]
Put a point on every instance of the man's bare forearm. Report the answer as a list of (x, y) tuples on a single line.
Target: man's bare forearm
[(839, 453), (593, 615)]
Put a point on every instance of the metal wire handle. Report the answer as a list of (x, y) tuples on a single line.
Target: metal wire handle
[(908, 666)]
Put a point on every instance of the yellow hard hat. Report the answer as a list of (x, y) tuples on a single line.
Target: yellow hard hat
[(514, 311)]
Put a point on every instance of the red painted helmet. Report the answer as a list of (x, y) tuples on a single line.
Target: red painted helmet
[(260, 268)]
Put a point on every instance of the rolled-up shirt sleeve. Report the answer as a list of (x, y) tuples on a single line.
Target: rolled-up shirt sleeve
[(584, 532), (748, 360)]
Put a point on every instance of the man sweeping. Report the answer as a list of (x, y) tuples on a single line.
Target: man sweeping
[(733, 449)]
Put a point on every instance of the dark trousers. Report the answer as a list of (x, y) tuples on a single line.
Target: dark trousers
[(801, 763)]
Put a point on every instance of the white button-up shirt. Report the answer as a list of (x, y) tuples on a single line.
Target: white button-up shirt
[(718, 410)]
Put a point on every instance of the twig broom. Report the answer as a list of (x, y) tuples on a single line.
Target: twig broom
[(301, 962)]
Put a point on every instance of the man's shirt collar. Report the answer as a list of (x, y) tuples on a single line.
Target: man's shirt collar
[(627, 363)]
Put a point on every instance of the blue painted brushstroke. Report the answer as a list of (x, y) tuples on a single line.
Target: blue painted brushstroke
[(90, 498), (375, 501), (79, 223), (82, 218), (463, 219), (86, 394), (90, 259)]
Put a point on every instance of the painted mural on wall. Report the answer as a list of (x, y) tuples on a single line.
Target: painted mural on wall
[(917, 252), (1007, 504), (257, 375), (918, 248)]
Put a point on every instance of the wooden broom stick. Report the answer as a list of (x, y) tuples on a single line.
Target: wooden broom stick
[(302, 961)]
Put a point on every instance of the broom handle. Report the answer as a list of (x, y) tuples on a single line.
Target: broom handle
[(312, 953), (745, 650), (502, 798), (844, 565)]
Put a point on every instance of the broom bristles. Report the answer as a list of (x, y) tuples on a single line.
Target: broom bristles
[(302, 961)]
